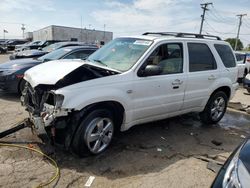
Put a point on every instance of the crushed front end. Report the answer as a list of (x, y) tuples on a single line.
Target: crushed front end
[(44, 107)]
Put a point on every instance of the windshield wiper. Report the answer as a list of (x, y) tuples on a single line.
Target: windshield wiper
[(99, 61)]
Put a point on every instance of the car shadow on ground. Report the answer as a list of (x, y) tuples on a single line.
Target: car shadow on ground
[(145, 149), (152, 147)]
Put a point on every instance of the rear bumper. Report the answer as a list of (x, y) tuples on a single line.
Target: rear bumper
[(235, 86)]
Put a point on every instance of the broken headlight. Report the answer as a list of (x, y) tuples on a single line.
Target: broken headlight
[(236, 175), (59, 100)]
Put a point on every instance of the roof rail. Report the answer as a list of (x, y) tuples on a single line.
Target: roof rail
[(186, 35)]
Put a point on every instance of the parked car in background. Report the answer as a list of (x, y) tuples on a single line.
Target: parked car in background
[(10, 44), (22, 46), (38, 45), (235, 173), (130, 81), (3, 49), (241, 65), (246, 82), (38, 53), (12, 72)]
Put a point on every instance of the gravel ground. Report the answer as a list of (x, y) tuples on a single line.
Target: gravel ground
[(171, 153)]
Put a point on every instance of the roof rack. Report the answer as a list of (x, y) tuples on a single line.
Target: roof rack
[(186, 35)]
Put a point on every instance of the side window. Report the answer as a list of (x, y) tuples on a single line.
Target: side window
[(169, 57), (226, 55), (200, 57), (81, 54)]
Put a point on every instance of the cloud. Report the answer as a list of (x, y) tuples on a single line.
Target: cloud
[(26, 5), (144, 15), (152, 5)]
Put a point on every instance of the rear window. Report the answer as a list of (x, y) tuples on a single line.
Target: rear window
[(200, 57), (226, 55)]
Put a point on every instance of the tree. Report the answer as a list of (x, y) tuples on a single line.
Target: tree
[(232, 41)]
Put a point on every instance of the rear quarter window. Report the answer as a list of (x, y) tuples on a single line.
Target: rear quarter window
[(226, 55)]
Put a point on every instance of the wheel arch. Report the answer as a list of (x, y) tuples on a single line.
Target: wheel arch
[(115, 107), (225, 89)]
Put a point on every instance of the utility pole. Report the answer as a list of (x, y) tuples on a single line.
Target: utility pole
[(204, 7), (23, 28), (104, 26), (238, 33)]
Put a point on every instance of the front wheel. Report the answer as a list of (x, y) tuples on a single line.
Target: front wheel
[(21, 86), (94, 134), (215, 108)]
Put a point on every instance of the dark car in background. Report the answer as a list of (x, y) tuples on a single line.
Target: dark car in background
[(11, 44), (38, 45), (21, 47), (3, 49), (38, 53), (12, 72), (235, 173)]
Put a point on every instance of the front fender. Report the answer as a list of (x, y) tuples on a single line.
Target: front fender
[(81, 98)]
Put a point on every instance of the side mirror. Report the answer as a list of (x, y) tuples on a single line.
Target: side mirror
[(151, 70)]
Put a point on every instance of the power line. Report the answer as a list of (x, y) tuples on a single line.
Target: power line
[(215, 19), (204, 7), (230, 32)]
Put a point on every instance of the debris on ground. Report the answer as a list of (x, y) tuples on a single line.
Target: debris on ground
[(248, 110), (213, 166), (159, 149), (163, 138), (89, 181), (236, 105), (242, 136), (216, 142)]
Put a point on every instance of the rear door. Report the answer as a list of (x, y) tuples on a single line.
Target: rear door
[(202, 73)]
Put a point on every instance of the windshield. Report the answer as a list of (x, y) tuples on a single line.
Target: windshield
[(121, 53), (56, 54), (51, 47)]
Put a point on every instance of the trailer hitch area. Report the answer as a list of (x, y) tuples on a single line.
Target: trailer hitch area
[(20, 125)]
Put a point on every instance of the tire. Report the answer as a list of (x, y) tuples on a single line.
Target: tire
[(100, 124), (21, 86), (215, 108)]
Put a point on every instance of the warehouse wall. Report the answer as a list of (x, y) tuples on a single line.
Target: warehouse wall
[(43, 34), (68, 33)]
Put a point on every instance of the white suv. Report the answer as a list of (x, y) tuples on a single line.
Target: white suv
[(129, 81)]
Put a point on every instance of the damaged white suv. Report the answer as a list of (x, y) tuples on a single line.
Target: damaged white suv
[(129, 81)]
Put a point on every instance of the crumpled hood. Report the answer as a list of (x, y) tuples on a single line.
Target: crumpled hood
[(13, 64), (50, 72)]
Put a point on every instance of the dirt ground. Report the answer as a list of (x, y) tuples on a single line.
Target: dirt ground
[(177, 152)]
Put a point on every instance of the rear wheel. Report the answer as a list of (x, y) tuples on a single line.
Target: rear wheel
[(215, 108), (94, 134)]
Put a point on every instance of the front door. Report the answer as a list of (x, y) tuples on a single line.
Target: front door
[(158, 95)]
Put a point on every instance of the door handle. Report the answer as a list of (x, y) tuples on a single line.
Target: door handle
[(211, 77), (177, 82)]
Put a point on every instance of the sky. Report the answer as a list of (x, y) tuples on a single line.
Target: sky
[(126, 17)]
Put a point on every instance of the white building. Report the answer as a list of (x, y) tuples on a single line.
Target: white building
[(54, 32)]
